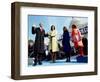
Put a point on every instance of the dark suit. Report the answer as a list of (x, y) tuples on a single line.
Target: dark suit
[(39, 44)]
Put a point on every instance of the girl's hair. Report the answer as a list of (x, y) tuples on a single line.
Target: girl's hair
[(74, 26), (52, 27)]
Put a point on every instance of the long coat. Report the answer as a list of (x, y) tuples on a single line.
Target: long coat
[(53, 44), (76, 37), (39, 40), (66, 42)]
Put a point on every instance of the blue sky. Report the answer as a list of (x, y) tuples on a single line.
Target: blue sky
[(47, 21)]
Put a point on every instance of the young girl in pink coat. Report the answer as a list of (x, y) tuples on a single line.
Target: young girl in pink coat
[(77, 40)]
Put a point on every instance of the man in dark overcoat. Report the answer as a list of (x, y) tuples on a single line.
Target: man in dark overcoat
[(39, 43)]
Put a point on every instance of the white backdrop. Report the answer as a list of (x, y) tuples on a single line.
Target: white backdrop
[(5, 40)]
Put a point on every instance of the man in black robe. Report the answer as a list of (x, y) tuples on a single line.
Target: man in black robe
[(39, 43)]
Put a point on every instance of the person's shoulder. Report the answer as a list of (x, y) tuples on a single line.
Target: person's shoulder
[(49, 32), (38, 28)]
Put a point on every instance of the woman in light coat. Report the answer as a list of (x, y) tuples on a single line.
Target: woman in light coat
[(53, 44)]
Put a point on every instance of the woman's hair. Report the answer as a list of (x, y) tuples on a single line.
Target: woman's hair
[(52, 27), (75, 30), (74, 26), (65, 29)]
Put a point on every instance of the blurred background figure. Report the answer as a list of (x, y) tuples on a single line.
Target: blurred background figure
[(30, 48), (85, 47)]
